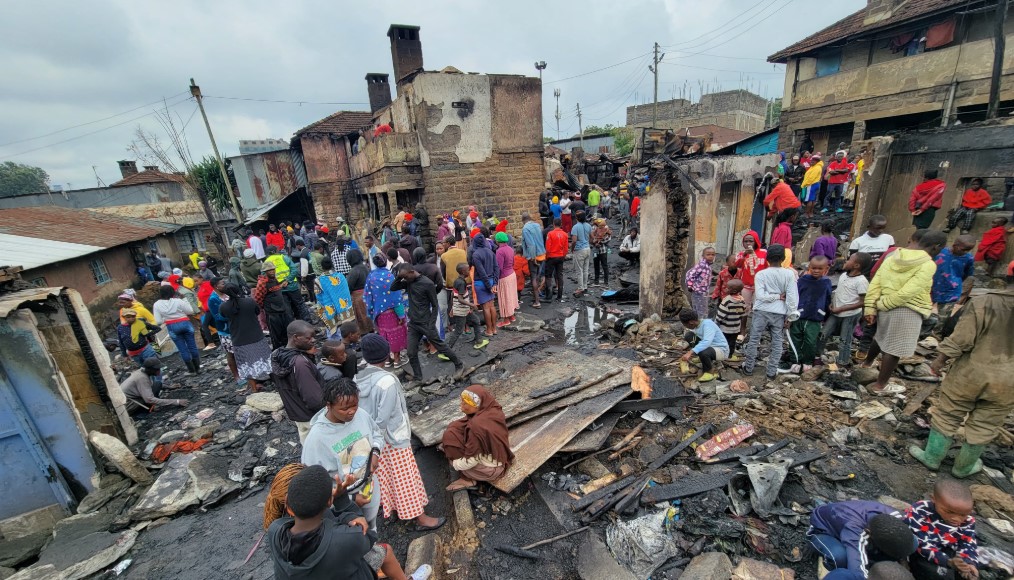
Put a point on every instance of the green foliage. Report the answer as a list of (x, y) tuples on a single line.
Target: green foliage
[(208, 178), (623, 139), (17, 179)]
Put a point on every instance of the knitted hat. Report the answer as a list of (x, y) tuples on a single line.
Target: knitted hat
[(152, 362), (375, 348), (249, 253), (267, 266), (202, 264), (500, 238)]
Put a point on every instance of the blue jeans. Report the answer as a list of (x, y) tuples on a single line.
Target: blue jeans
[(182, 334), (845, 328), (835, 192), (830, 549), (761, 323), (144, 355)]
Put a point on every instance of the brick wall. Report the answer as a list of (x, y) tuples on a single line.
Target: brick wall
[(507, 184)]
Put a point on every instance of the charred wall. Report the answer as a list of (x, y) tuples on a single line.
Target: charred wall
[(665, 240)]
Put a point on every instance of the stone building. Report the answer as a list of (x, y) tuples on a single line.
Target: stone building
[(894, 65), (456, 140), (740, 110)]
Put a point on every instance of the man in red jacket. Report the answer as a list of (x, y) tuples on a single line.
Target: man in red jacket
[(975, 199), (780, 198), (838, 172), (926, 199), (993, 244), (275, 238)]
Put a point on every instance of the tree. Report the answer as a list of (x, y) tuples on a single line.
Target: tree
[(18, 178), (176, 158), (623, 139), (209, 178)]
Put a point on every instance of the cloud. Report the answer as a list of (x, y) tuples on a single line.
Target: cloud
[(64, 65)]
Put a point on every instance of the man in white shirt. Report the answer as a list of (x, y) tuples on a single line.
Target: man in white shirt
[(254, 243), (630, 247), (874, 242)]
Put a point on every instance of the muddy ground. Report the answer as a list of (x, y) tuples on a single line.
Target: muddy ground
[(214, 543)]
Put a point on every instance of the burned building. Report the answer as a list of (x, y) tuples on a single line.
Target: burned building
[(739, 110), (454, 140), (694, 202)]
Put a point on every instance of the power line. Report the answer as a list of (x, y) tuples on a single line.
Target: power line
[(91, 122), (92, 132), (626, 98), (280, 101), (725, 25), (625, 88), (597, 70), (749, 72), (753, 24)]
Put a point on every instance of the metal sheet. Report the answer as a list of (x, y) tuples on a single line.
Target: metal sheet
[(34, 252), (264, 178)]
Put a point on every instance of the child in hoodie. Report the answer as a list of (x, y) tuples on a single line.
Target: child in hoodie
[(345, 440), (317, 543), (401, 485), (750, 261), (814, 298), (776, 297)]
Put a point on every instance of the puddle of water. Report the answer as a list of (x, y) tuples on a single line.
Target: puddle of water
[(582, 323)]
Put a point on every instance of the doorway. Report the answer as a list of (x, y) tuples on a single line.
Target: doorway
[(728, 198)]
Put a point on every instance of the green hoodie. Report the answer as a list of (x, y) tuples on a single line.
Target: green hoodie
[(903, 280)]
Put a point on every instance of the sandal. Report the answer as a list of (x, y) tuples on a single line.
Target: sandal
[(460, 485), (440, 523)]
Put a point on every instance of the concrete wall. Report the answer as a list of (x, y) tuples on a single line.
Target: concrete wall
[(100, 196), (591, 144), (739, 109), (899, 86)]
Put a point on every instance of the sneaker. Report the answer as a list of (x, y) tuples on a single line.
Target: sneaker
[(422, 572), (735, 358), (839, 210), (794, 369), (824, 210), (443, 357), (211, 347), (746, 373), (706, 377)]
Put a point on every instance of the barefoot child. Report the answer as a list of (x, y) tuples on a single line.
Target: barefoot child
[(709, 343), (945, 530)]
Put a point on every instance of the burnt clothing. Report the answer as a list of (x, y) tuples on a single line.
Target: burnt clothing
[(978, 384)]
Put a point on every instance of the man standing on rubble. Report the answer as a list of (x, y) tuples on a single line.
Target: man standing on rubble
[(422, 315), (298, 380), (978, 384)]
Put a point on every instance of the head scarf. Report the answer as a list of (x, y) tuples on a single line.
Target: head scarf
[(202, 264), (474, 232), (418, 256), (500, 237), (178, 272), (188, 283), (174, 281), (378, 295), (501, 227), (481, 433)]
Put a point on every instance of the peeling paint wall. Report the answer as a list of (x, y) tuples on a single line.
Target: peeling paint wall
[(454, 117)]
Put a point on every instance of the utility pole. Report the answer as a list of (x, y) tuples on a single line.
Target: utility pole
[(580, 131), (999, 43), (540, 66), (556, 93), (196, 92), (654, 68)]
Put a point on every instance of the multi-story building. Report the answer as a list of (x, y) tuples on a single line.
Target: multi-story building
[(894, 65), (740, 110), (456, 139)]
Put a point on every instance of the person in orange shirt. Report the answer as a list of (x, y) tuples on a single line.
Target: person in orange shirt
[(974, 200), (781, 198)]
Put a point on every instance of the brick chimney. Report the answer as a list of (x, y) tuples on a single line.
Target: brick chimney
[(406, 50), (127, 168), (877, 10), (379, 89)]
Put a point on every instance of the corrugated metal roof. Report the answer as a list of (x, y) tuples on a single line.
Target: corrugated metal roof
[(34, 252), (77, 226)]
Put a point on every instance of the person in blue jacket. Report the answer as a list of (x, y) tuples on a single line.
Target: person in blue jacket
[(851, 536)]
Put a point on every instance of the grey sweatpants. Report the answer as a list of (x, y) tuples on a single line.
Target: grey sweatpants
[(765, 322), (582, 266)]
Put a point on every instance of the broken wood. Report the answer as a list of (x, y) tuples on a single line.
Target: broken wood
[(555, 387), (918, 399), (597, 495), (692, 484), (595, 435), (640, 382), (599, 483), (519, 552), (616, 454), (633, 433), (554, 538), (552, 402), (645, 404)]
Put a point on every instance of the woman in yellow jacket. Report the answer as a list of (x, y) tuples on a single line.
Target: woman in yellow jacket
[(898, 300), (809, 190)]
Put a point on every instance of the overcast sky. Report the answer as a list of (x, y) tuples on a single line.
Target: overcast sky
[(105, 62)]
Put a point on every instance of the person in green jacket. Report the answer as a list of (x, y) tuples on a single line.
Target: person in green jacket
[(898, 300)]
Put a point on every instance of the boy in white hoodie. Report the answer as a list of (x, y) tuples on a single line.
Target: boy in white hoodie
[(344, 439), (775, 297)]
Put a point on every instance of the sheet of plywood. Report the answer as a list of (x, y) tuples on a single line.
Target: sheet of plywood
[(587, 441), (534, 442), (513, 393)]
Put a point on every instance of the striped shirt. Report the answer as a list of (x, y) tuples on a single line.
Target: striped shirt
[(730, 314)]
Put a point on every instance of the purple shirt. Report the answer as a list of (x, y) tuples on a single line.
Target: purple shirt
[(825, 246)]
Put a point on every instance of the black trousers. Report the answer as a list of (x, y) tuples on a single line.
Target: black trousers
[(731, 339), (554, 271), (707, 355), (600, 261), (297, 305), (458, 326), (308, 285), (416, 332)]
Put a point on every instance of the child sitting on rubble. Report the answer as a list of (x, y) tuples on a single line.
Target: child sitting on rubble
[(709, 343), (851, 536), (814, 298), (945, 530), (730, 314), (846, 306), (315, 542)]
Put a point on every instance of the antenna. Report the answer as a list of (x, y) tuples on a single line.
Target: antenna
[(98, 180)]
